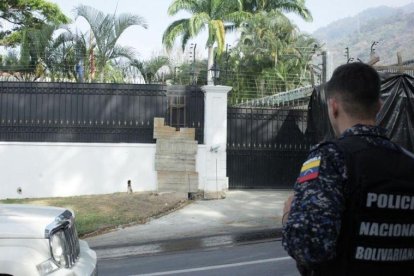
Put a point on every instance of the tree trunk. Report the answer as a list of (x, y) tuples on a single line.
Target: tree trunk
[(210, 80)]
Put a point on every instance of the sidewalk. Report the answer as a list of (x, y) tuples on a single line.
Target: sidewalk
[(241, 212)]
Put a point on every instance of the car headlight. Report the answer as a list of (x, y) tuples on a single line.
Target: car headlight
[(47, 267), (58, 248)]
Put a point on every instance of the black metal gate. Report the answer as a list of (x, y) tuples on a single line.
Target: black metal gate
[(265, 147)]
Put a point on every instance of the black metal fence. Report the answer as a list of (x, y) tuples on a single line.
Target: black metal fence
[(74, 112), (266, 147)]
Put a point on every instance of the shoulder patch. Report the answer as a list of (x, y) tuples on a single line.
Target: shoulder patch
[(309, 170)]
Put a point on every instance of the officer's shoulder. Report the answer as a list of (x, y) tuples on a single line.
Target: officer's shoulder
[(329, 153), (325, 147)]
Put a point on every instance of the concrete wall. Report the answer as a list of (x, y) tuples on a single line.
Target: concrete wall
[(65, 169)]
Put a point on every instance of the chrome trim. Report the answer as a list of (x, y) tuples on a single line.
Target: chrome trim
[(65, 222), (60, 222)]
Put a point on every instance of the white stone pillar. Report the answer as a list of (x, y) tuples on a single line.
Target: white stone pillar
[(215, 138)]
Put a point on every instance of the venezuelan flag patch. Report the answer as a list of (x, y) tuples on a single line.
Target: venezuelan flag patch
[(309, 170)]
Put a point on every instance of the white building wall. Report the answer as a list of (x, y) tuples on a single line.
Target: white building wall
[(68, 169)]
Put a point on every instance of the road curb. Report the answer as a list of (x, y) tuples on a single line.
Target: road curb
[(185, 244)]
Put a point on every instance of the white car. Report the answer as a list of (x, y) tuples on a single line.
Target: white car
[(42, 241)]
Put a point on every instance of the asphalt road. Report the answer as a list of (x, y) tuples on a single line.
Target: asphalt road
[(264, 258)]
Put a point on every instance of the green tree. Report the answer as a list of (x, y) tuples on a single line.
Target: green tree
[(106, 30), (23, 14), (266, 36), (276, 54), (295, 6), (33, 50), (10, 63), (150, 68), (64, 53), (42, 54), (114, 72), (215, 16)]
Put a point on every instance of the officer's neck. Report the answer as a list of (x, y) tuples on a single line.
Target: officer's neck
[(348, 122)]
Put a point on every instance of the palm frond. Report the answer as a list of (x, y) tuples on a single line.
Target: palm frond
[(294, 6), (184, 40), (219, 34), (183, 5), (174, 30), (155, 64), (237, 17), (123, 51), (149, 68), (66, 36), (126, 20), (218, 7), (94, 17), (99, 22), (198, 22)]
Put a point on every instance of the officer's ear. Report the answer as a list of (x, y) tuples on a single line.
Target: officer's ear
[(333, 107)]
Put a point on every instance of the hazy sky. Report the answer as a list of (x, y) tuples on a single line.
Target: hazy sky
[(148, 42)]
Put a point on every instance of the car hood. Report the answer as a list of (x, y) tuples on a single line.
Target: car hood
[(26, 221)]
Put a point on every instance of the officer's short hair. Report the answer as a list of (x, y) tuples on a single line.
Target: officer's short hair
[(358, 87)]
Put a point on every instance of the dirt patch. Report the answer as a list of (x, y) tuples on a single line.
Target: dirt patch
[(96, 214)]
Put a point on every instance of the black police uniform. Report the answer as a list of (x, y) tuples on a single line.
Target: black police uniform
[(373, 224)]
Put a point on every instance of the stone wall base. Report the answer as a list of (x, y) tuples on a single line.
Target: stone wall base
[(175, 159)]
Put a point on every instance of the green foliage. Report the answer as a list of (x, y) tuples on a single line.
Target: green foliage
[(113, 73), (24, 14), (63, 53), (213, 15), (150, 68), (106, 30), (295, 6), (44, 55), (267, 34), (272, 56), (190, 73), (32, 52)]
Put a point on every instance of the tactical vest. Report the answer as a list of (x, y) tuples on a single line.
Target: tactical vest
[(377, 231)]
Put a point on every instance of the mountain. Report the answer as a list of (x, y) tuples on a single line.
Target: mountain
[(392, 28)]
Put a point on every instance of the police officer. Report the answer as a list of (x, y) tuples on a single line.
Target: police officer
[(352, 212)]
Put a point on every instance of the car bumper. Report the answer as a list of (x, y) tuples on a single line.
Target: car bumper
[(85, 265)]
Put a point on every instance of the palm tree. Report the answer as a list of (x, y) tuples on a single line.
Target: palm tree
[(150, 68), (277, 54), (106, 30), (65, 53), (267, 35), (215, 16), (295, 6)]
